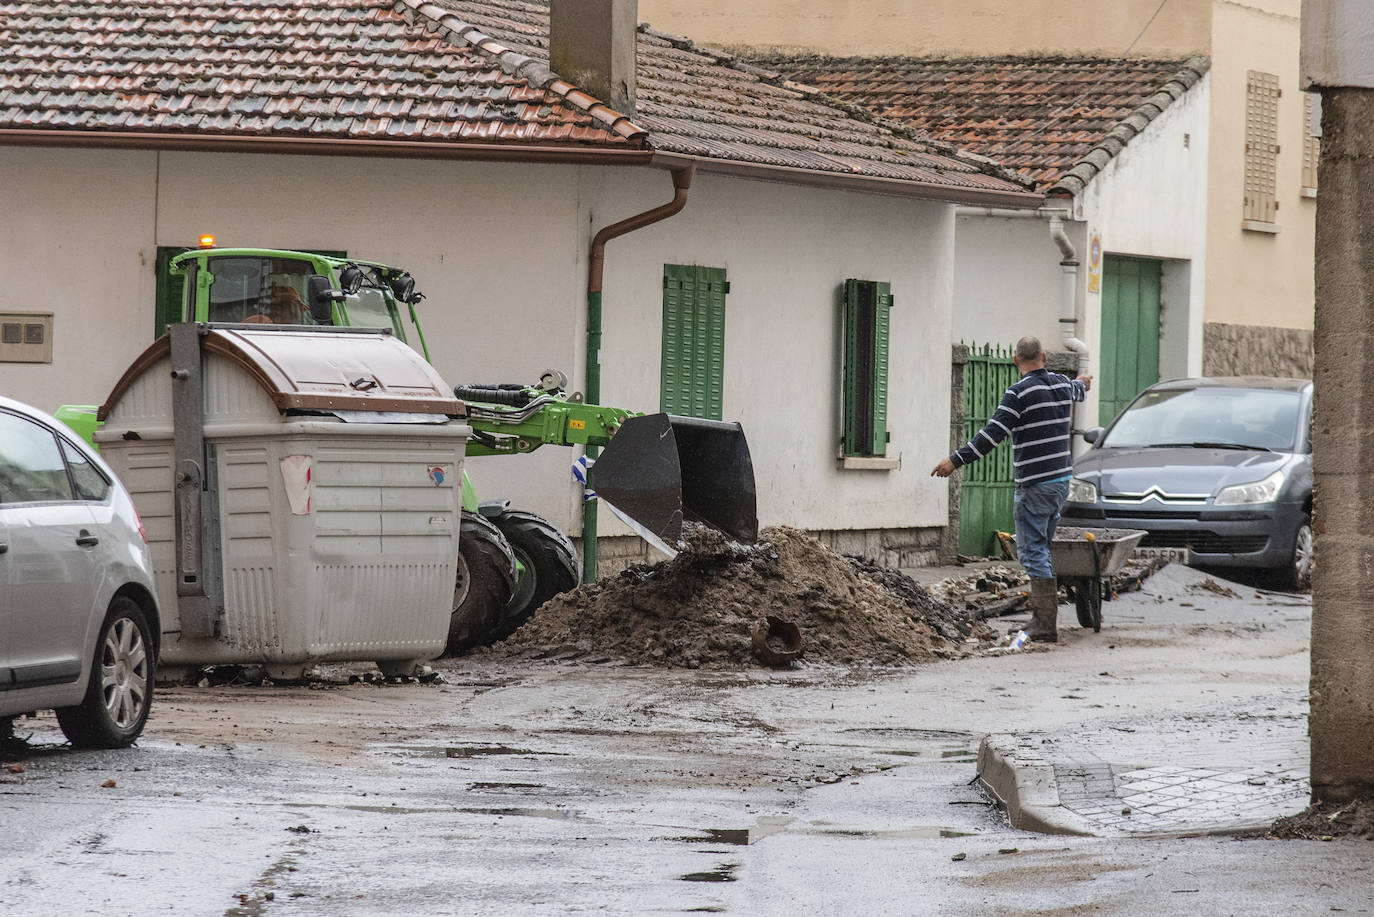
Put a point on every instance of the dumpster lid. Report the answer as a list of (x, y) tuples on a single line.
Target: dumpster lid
[(322, 370)]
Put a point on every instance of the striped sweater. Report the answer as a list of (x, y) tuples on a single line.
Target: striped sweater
[(1035, 410)]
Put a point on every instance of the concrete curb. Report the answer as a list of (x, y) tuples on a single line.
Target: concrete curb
[(1015, 773)]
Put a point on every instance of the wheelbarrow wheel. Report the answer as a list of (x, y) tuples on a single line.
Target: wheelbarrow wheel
[(1088, 603)]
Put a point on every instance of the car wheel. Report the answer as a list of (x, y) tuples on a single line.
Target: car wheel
[(119, 693), (1298, 574), (549, 561), (484, 584)]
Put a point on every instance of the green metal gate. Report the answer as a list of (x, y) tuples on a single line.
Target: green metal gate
[(988, 485)]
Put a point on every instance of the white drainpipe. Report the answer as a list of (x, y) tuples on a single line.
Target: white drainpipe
[(1068, 320)]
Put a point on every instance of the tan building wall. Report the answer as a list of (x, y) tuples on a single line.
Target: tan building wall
[(969, 28), (1257, 278)]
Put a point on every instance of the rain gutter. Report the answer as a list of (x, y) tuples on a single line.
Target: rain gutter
[(682, 183), (328, 146)]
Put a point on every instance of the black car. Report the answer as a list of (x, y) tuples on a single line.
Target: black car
[(1219, 469)]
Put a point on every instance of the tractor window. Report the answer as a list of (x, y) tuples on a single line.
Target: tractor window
[(368, 309), (265, 290)]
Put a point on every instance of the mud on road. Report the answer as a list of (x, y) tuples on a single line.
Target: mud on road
[(528, 786)]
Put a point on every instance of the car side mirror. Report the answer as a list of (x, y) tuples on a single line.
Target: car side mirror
[(322, 299), (1093, 434)]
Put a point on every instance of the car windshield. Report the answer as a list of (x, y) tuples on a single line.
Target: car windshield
[(1212, 417)]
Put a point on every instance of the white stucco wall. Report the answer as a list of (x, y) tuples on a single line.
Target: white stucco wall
[(500, 250), (1007, 280), (786, 252), (76, 240)]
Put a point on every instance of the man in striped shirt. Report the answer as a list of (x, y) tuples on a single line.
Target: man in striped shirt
[(1036, 410)]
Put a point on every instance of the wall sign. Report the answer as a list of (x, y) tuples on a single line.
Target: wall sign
[(1095, 264)]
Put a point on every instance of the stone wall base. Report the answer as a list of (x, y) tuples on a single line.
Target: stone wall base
[(1256, 350), (905, 547)]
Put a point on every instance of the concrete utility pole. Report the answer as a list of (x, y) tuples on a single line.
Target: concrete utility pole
[(1338, 59)]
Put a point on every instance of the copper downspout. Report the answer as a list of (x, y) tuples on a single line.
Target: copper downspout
[(682, 182)]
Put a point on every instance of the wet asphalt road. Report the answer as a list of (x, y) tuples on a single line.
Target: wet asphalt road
[(548, 788)]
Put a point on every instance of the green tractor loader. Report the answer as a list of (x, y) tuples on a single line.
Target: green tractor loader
[(655, 471)]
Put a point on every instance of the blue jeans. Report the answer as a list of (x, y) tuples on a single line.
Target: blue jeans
[(1036, 511)]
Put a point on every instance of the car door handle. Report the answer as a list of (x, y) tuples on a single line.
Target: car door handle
[(86, 539)]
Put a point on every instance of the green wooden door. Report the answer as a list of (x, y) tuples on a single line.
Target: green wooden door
[(989, 484), (693, 377), (1130, 332)]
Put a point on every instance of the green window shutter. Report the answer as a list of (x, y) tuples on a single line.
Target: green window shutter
[(867, 307), (169, 290), (693, 367)]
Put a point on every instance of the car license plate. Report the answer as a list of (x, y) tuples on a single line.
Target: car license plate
[(1173, 555)]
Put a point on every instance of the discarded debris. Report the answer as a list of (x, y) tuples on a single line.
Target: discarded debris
[(1324, 821), (776, 642), (699, 609), (1211, 585), (108, 785)]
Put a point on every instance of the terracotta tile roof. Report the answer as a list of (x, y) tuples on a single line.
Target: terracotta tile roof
[(1055, 121), (340, 69), (701, 102), (411, 73)]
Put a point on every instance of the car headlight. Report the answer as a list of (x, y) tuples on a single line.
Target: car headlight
[(1265, 491), (1080, 491)]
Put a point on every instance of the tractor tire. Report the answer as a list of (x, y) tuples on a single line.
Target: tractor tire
[(550, 565), (483, 587)]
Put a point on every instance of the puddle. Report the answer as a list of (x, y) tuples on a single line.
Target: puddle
[(505, 786), (921, 833), (464, 751), (767, 826), (958, 755), (554, 814), (723, 873)]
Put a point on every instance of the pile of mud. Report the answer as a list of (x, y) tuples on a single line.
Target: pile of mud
[(1328, 820), (699, 609)]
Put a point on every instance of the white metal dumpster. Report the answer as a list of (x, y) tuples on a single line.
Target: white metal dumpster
[(321, 523)]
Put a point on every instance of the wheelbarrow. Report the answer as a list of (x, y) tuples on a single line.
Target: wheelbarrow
[(1084, 560)]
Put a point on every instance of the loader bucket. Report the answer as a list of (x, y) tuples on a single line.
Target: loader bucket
[(660, 469)]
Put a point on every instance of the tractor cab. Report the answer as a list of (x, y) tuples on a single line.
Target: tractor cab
[(262, 286)]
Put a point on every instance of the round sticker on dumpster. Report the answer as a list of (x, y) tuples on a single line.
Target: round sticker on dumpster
[(438, 474)]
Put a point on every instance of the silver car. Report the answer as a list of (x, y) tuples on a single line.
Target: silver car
[(79, 623), (1219, 469)]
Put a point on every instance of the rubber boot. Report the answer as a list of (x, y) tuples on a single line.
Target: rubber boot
[(1044, 602)]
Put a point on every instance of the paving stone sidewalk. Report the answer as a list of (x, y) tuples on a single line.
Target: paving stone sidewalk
[(1228, 772)]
